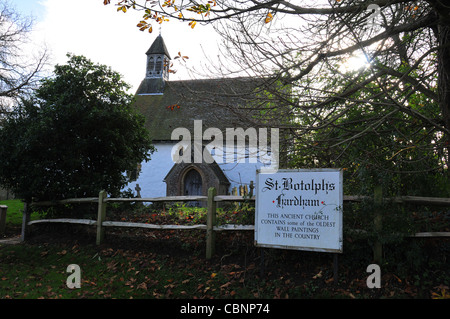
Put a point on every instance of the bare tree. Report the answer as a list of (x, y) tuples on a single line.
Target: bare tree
[(305, 51), (19, 70), (404, 77)]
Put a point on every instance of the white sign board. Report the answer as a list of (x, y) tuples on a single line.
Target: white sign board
[(299, 209)]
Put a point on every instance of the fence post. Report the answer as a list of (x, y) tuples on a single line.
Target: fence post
[(252, 186), (210, 223), (3, 209), (101, 215), (25, 220), (377, 222)]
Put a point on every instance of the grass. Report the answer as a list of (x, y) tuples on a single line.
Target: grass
[(171, 265), (37, 272), (137, 263), (14, 212)]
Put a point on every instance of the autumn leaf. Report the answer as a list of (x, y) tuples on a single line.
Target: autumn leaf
[(142, 25), (225, 285), (269, 17), (398, 279), (192, 24), (319, 275), (122, 8), (142, 285), (171, 107), (111, 266), (444, 293)]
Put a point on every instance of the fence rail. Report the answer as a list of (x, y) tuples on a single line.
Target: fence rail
[(235, 198), (211, 228)]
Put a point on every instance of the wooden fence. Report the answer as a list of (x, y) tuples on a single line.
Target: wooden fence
[(211, 228), (212, 199)]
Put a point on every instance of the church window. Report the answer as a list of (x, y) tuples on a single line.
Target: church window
[(158, 65), (151, 65)]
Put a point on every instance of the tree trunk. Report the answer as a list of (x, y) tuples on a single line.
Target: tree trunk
[(443, 36), (444, 73)]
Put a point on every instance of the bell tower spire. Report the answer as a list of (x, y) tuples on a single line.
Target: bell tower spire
[(157, 69), (158, 60)]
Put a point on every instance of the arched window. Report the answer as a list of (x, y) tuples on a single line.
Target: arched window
[(151, 65), (158, 67)]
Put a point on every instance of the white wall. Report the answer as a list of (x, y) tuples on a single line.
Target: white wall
[(151, 177), (240, 174)]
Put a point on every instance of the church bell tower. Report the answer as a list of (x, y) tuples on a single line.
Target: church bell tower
[(158, 60), (157, 69)]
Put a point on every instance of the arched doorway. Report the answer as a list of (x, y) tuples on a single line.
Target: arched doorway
[(195, 179), (193, 185)]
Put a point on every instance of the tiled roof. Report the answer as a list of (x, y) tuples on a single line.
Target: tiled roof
[(182, 102)]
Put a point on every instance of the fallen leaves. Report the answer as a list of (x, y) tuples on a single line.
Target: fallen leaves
[(156, 273), (443, 292), (112, 266), (62, 253), (318, 275), (142, 285)]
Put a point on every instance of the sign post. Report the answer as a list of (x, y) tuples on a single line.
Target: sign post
[(299, 209)]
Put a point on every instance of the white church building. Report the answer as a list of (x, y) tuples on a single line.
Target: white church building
[(185, 120)]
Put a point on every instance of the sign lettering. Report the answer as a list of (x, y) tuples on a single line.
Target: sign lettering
[(299, 209)]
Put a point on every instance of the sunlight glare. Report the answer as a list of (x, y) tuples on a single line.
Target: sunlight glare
[(354, 63)]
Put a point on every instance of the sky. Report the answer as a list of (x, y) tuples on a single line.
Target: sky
[(105, 36)]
